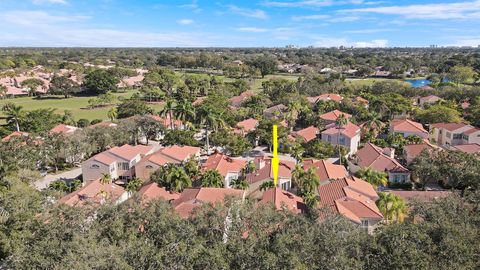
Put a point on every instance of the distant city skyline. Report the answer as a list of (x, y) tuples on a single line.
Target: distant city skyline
[(250, 23)]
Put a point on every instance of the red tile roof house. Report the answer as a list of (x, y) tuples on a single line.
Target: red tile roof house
[(246, 126), (64, 129), (432, 99), (331, 117), (348, 136), (473, 148), (411, 151), (282, 199), (130, 82), (352, 198), (407, 127), (228, 167), (379, 159), (95, 193), (411, 196), (192, 198), (153, 191), (307, 134), (325, 170), (103, 124), (264, 173), (236, 101), (452, 134), (15, 134), (118, 162), (173, 154), (325, 97)]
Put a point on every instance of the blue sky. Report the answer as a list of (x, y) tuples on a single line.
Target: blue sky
[(248, 23)]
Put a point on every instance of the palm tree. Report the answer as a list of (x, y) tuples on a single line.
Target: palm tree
[(311, 200), (374, 125), (168, 111), (133, 185), (310, 181), (105, 179), (178, 179), (211, 120), (297, 178), (112, 114), (373, 177), (212, 178), (14, 114), (293, 109), (267, 185), (392, 207), (239, 183), (185, 111)]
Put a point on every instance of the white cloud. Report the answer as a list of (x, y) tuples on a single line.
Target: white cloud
[(310, 17), (185, 21), (36, 18), (344, 19), (40, 2), (460, 10), (337, 42), (193, 6), (309, 3), (253, 13), (252, 29)]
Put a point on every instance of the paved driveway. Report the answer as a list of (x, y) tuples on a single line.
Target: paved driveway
[(68, 175)]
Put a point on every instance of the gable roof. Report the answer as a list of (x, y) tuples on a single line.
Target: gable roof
[(281, 198), (333, 115), (264, 170), (15, 134), (280, 108), (372, 156), (307, 134), (223, 164), (63, 129), (467, 148), (413, 150), (237, 101), (180, 153), (103, 124), (450, 126), (92, 192), (153, 191), (128, 152), (248, 125), (349, 130), (407, 125), (325, 170), (350, 197)]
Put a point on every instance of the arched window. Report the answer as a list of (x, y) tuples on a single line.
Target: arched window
[(95, 166), (149, 167)]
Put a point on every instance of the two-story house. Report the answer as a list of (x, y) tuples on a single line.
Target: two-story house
[(307, 134), (174, 154), (451, 134), (407, 127), (347, 135), (331, 117), (228, 167), (379, 159), (118, 162)]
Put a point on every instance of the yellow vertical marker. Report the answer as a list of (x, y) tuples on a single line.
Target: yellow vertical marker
[(275, 160)]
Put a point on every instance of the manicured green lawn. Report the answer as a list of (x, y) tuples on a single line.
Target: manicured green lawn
[(369, 81), (78, 105)]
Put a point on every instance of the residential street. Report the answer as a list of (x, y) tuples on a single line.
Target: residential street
[(68, 175)]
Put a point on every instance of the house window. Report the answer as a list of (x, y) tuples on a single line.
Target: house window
[(365, 223), (440, 132), (286, 185), (457, 136), (112, 168), (341, 140), (449, 135), (329, 139), (149, 167), (465, 137), (95, 166), (123, 166)]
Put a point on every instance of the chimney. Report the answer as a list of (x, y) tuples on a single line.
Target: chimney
[(389, 152)]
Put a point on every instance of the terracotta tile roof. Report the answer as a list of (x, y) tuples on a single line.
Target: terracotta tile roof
[(325, 170), (153, 191), (413, 150), (470, 131), (281, 198), (264, 170), (430, 99), (194, 197), (129, 152), (333, 115), (130, 81), (165, 121), (351, 197), (307, 134), (223, 164), (104, 158), (449, 126), (468, 148), (237, 101), (272, 111), (180, 153), (423, 196), (350, 130), (248, 124), (64, 129), (159, 159), (325, 97), (361, 100), (15, 134), (372, 156), (92, 193), (406, 125)]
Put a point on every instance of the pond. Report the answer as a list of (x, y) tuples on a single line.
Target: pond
[(418, 83)]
